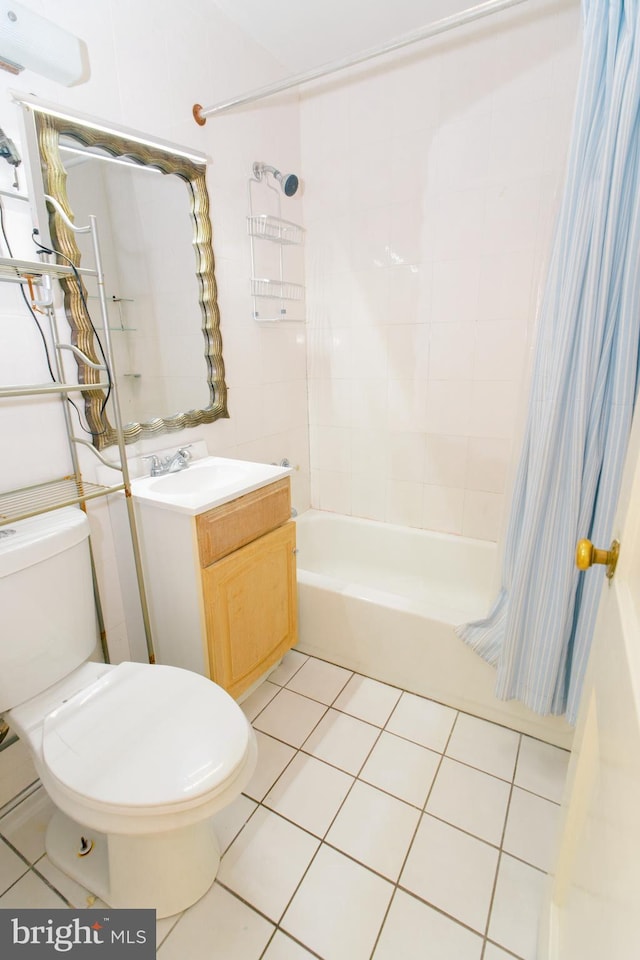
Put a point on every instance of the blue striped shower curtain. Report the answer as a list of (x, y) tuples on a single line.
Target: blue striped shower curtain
[(584, 385)]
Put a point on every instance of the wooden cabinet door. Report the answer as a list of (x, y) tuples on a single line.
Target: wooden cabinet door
[(251, 608)]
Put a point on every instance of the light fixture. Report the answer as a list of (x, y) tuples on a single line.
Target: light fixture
[(30, 42)]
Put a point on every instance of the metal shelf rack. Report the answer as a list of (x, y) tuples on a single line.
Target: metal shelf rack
[(273, 295), (72, 489)]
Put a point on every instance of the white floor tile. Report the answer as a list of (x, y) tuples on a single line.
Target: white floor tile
[(31, 891), (485, 745), (342, 740), (414, 931), (542, 769), (266, 861), (273, 756), (375, 829), (516, 907), (368, 700), (77, 895), (451, 870), (422, 721), (283, 947), (164, 926), (470, 799), (217, 927), (319, 680), (257, 701), (291, 663), (402, 768), (26, 825), (310, 793), (290, 717), (11, 867), (339, 907), (491, 952), (334, 896), (532, 827), (228, 822)]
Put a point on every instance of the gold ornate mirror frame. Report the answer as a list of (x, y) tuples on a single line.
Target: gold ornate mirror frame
[(50, 129)]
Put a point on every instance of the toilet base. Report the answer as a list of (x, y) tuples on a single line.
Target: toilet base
[(166, 872)]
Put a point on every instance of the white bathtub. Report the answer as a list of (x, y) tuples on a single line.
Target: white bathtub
[(383, 600)]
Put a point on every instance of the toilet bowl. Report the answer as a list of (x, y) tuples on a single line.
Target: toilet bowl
[(137, 758)]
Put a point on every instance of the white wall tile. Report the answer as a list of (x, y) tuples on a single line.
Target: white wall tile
[(487, 464), (408, 351), (407, 456), (451, 350), (449, 407), (455, 289), (404, 503), (407, 405), (482, 515), (465, 187), (443, 509), (499, 350), (494, 408), (334, 491), (368, 495), (445, 461)]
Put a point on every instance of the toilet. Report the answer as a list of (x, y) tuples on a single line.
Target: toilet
[(136, 757)]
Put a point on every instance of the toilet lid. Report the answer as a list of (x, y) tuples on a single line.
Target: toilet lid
[(143, 736)]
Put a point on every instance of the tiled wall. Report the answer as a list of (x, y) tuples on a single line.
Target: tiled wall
[(431, 184)]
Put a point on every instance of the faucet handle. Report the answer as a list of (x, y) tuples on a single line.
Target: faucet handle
[(155, 463), (184, 451)]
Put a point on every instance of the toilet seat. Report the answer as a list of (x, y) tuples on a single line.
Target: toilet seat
[(145, 740)]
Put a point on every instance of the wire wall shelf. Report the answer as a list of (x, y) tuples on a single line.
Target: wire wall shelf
[(11, 268), (43, 497), (276, 266), (266, 227), (276, 289)]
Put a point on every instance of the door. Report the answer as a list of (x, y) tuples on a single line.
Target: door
[(593, 911)]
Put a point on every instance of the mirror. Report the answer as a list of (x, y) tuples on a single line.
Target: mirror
[(152, 211)]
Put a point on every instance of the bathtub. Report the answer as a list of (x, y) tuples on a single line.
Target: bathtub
[(384, 600)]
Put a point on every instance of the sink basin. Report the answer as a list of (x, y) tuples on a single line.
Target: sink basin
[(200, 476), (205, 483)]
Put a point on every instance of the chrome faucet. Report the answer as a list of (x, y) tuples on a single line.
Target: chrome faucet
[(171, 464)]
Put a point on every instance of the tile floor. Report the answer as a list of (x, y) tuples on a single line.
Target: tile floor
[(377, 825)]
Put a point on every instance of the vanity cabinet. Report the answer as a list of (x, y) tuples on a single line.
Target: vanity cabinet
[(247, 551), (222, 585)]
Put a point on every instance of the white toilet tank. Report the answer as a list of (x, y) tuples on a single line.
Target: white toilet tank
[(47, 612)]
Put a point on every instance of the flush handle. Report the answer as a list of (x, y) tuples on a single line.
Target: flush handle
[(587, 555)]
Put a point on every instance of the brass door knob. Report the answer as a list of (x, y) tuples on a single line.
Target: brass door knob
[(587, 555)]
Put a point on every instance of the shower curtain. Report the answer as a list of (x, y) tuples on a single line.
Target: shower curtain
[(584, 385)]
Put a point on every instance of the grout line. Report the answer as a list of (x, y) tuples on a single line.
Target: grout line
[(497, 871), (17, 852), (55, 889), (19, 798), (422, 696), (415, 832)]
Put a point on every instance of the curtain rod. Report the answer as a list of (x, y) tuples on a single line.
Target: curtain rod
[(485, 9)]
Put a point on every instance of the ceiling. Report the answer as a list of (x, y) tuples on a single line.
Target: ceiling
[(303, 34)]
